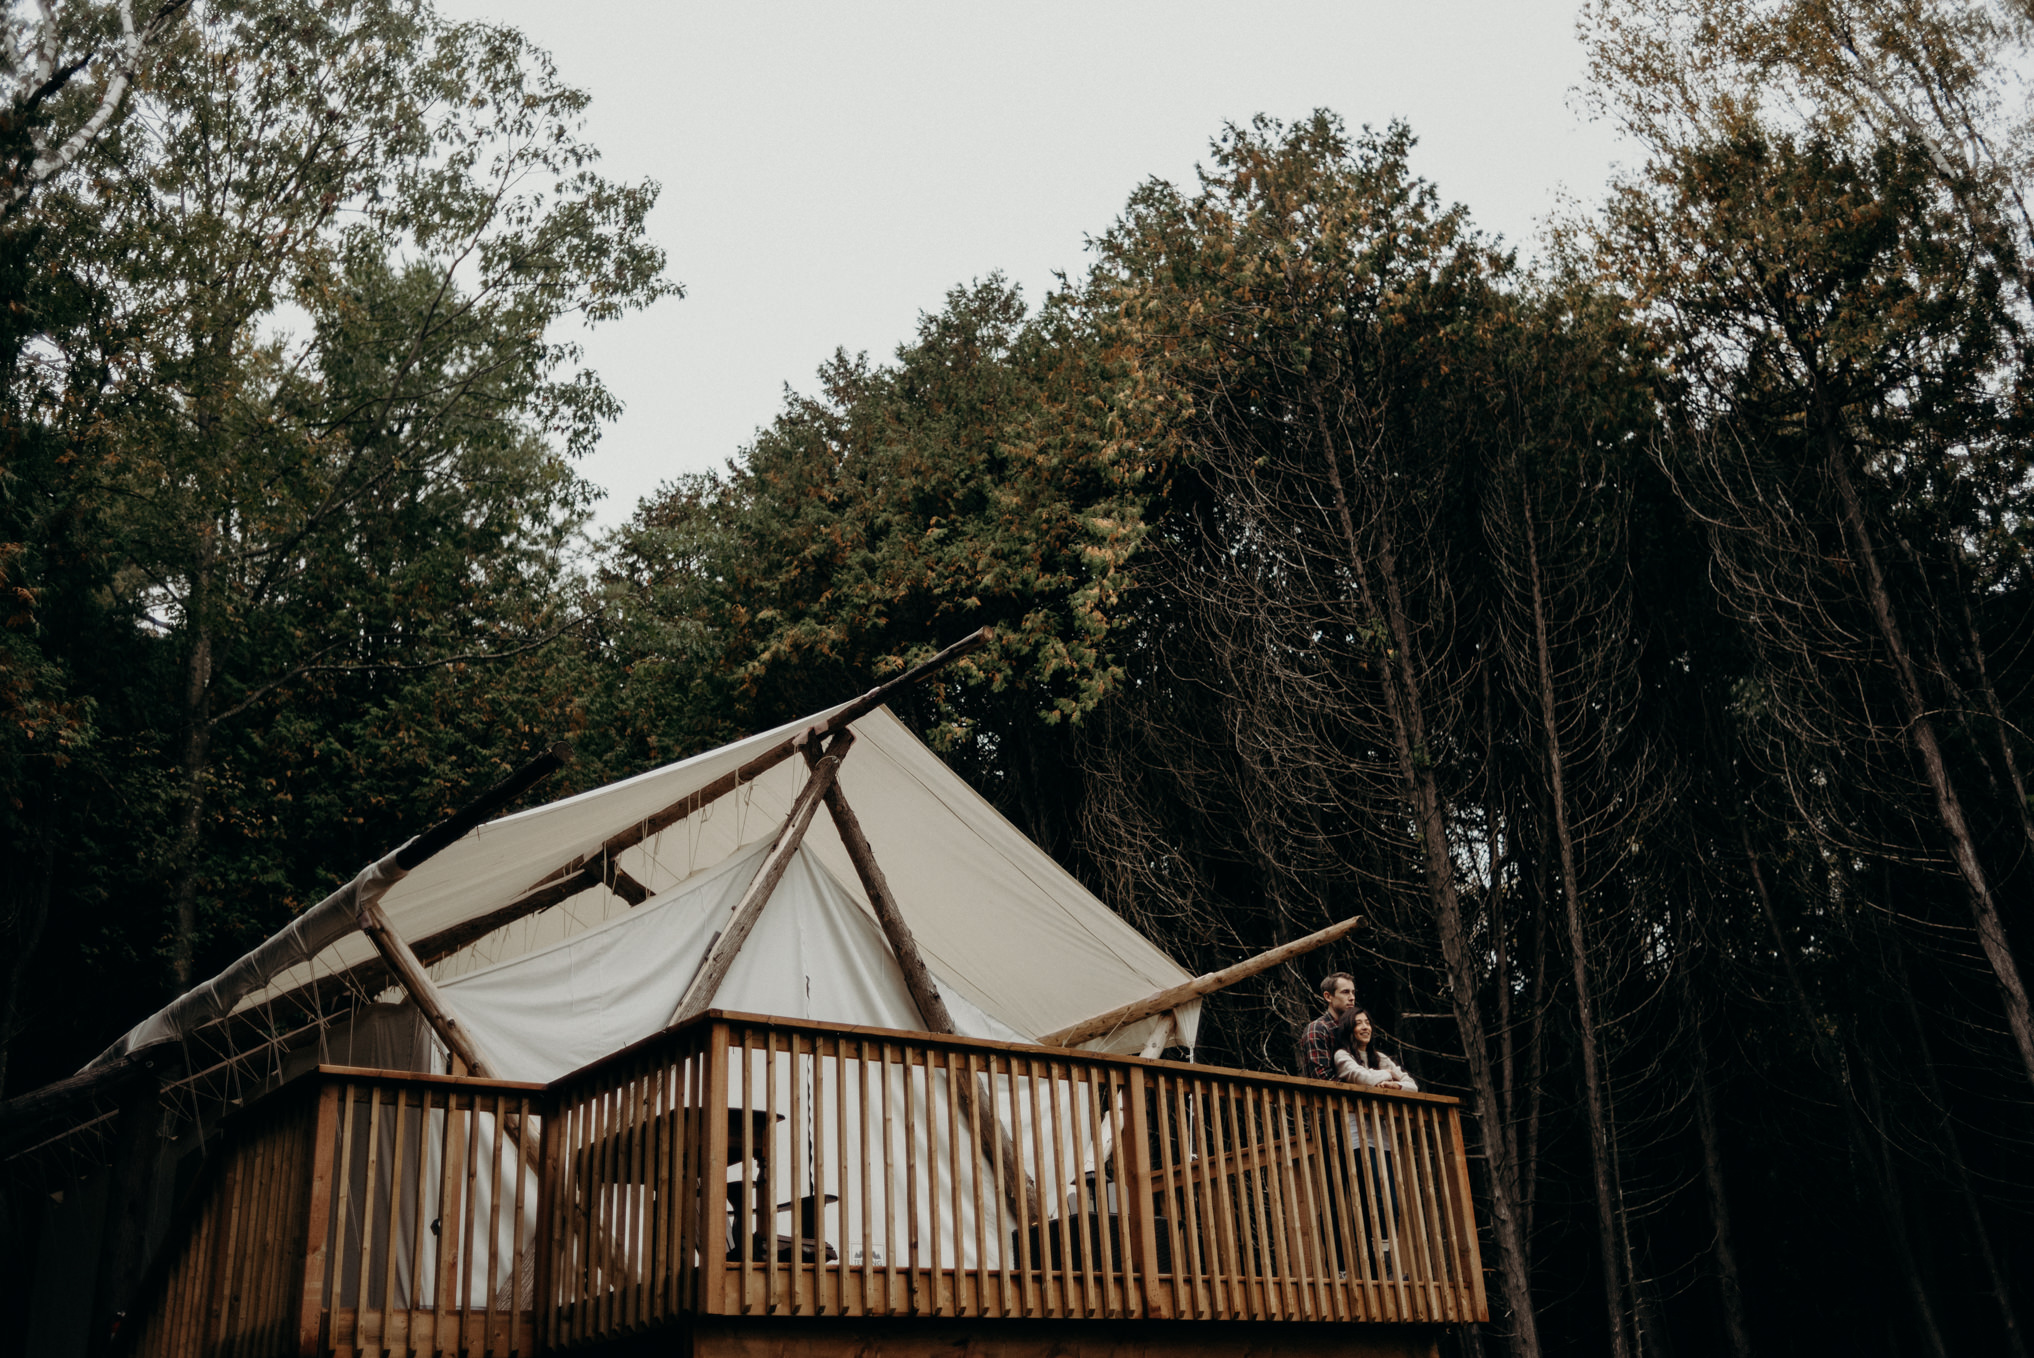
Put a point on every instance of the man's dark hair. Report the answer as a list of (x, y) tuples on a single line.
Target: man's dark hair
[(1333, 979)]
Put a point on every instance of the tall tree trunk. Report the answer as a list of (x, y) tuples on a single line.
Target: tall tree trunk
[(1864, 1140), (1973, 1205), (1927, 748), (1600, 1166), (1500, 944), (1536, 1070), (29, 891), (1881, 1167), (1404, 703), (1735, 1327), (193, 765), (2002, 729)]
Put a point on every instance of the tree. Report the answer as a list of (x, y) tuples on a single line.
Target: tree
[(972, 482), (1840, 326), (316, 409), (1308, 310)]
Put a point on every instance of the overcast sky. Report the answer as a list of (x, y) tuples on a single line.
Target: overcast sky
[(831, 170)]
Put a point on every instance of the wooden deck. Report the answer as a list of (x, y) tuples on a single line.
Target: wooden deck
[(744, 1169)]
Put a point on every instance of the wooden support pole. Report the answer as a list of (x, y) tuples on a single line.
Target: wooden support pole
[(1101, 1025), (917, 976), (422, 990), (1163, 1035), (932, 1010), (720, 954)]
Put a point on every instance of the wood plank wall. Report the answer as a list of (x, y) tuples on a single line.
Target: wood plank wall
[(360, 1212), (232, 1285)]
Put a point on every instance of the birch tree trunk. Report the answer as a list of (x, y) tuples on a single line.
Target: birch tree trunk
[(1735, 1327)]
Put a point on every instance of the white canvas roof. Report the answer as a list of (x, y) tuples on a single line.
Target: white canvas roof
[(1002, 925), (814, 955)]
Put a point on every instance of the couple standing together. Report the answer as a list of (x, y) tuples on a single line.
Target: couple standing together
[(1337, 1045)]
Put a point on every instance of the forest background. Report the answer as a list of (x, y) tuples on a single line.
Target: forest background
[(1638, 635)]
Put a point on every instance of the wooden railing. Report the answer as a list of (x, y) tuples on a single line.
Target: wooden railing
[(751, 1166), (429, 1247), (743, 1165), (360, 1212)]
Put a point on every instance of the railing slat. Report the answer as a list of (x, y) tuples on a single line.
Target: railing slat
[(869, 1180), (1472, 1264), (1412, 1186)]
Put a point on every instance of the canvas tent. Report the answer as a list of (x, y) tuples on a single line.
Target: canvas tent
[(1016, 944)]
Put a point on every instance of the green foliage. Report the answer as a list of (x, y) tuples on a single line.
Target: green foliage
[(291, 421), (973, 483)]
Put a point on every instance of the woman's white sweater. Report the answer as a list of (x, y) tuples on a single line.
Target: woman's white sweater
[(1346, 1069)]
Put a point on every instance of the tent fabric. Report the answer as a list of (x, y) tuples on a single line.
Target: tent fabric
[(813, 955), (1004, 927)]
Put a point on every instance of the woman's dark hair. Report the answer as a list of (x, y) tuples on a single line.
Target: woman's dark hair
[(1345, 1038)]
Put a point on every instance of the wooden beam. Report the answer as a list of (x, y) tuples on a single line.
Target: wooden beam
[(917, 976), (1101, 1025), (720, 954), (932, 1010), (22, 1116), (585, 870), (625, 886), (422, 990)]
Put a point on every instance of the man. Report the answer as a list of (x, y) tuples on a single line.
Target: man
[(1317, 1058)]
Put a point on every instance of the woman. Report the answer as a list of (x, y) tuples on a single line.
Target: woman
[(1357, 1062)]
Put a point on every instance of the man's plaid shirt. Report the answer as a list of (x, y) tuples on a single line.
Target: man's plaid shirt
[(1317, 1058)]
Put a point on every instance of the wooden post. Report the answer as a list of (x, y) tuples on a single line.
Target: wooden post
[(1109, 1021), (430, 1002), (932, 1010), (1135, 1208), (720, 955), (325, 1170), (917, 976), (1162, 1035), (711, 1298)]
